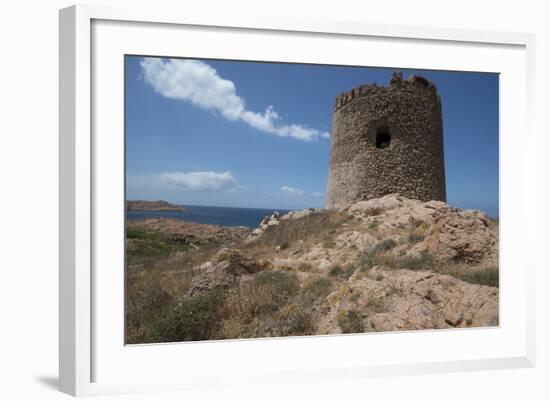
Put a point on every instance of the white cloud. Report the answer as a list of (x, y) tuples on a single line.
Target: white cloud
[(291, 191), (198, 180), (197, 82), (317, 194)]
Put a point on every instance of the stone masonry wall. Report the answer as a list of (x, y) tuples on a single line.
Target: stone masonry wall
[(387, 140)]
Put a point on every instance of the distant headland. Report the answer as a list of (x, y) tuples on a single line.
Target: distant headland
[(152, 206)]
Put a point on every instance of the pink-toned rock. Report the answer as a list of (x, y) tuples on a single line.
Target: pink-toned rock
[(460, 236), (411, 300)]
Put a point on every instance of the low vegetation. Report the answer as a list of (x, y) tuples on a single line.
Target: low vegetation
[(271, 304), (326, 270), (380, 256), (318, 224), (315, 290), (473, 275), (350, 322), (143, 245), (194, 318), (342, 272), (424, 261)]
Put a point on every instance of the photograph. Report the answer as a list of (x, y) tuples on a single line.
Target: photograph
[(272, 199)]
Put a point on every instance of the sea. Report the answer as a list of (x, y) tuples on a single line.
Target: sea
[(220, 216)]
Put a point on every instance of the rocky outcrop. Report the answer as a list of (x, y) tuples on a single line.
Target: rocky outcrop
[(409, 300), (460, 236), (449, 234), (298, 214), (430, 261), (385, 264), (266, 222)]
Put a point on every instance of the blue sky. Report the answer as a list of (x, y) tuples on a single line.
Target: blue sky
[(247, 134)]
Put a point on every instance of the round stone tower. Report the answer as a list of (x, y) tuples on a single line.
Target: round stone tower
[(387, 140)]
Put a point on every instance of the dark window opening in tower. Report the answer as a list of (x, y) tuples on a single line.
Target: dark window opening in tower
[(422, 81), (383, 137)]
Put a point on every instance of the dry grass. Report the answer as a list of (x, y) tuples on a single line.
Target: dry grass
[(266, 306), (159, 271), (145, 298), (379, 255), (323, 224), (294, 319), (475, 275), (263, 295)]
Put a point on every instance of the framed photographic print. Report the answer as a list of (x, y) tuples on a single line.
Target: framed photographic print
[(235, 213)]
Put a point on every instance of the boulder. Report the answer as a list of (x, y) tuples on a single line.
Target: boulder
[(225, 269), (267, 221), (376, 205)]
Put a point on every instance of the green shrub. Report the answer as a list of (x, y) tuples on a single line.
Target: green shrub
[(384, 245), (415, 238), (350, 322), (335, 271), (144, 233), (338, 271), (195, 318), (316, 289), (143, 244), (284, 245)]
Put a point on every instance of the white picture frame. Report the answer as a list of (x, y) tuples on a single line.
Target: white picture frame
[(91, 35)]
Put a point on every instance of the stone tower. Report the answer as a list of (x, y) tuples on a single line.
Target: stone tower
[(385, 140)]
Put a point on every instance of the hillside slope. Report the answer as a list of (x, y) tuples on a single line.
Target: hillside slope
[(381, 265)]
